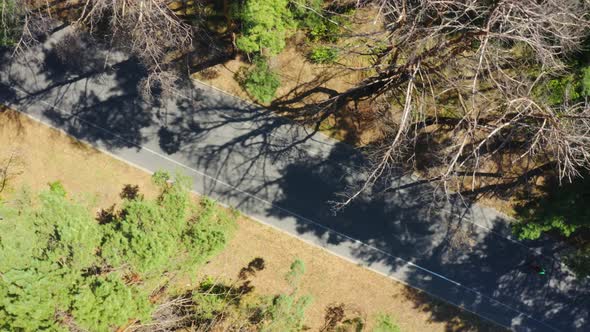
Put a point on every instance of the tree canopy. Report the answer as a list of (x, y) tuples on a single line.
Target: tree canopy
[(265, 25), (51, 248)]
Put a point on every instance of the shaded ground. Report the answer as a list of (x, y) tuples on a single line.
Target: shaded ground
[(82, 169)]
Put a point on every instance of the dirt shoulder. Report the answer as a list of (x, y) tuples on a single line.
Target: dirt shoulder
[(39, 154)]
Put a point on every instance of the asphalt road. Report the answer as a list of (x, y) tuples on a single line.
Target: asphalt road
[(284, 176)]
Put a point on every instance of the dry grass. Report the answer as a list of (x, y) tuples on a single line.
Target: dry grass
[(330, 280), (297, 74), (45, 155)]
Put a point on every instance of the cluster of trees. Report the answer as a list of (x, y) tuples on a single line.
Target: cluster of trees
[(460, 81), (456, 86), (61, 268), (265, 25)]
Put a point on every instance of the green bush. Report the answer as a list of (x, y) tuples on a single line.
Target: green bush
[(323, 54), (320, 25), (44, 249), (30, 298), (57, 261), (208, 306), (260, 81), (105, 303), (265, 25), (209, 232), (561, 209), (586, 81), (146, 233), (295, 273), (145, 238), (287, 311), (386, 324), (574, 85), (561, 87), (11, 24), (57, 187), (327, 30), (212, 298), (151, 236)]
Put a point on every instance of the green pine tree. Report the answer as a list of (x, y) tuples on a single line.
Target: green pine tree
[(265, 25)]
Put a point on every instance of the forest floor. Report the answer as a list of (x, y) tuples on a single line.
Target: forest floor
[(41, 154)]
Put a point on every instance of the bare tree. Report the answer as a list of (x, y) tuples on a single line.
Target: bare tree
[(148, 29), (464, 78)]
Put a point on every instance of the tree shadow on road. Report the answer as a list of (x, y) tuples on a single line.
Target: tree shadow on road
[(231, 140), (72, 94), (426, 240)]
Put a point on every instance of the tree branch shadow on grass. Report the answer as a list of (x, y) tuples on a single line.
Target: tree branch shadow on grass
[(454, 318), (306, 103), (11, 117)]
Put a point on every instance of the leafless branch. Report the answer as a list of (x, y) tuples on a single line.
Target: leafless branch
[(474, 72)]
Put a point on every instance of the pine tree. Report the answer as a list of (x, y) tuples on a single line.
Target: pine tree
[(265, 26)]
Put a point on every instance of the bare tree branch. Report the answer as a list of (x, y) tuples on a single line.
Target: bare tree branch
[(482, 66)]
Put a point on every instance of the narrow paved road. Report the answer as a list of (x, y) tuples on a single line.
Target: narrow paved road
[(283, 176)]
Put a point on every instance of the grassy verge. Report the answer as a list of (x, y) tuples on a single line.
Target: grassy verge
[(328, 279)]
